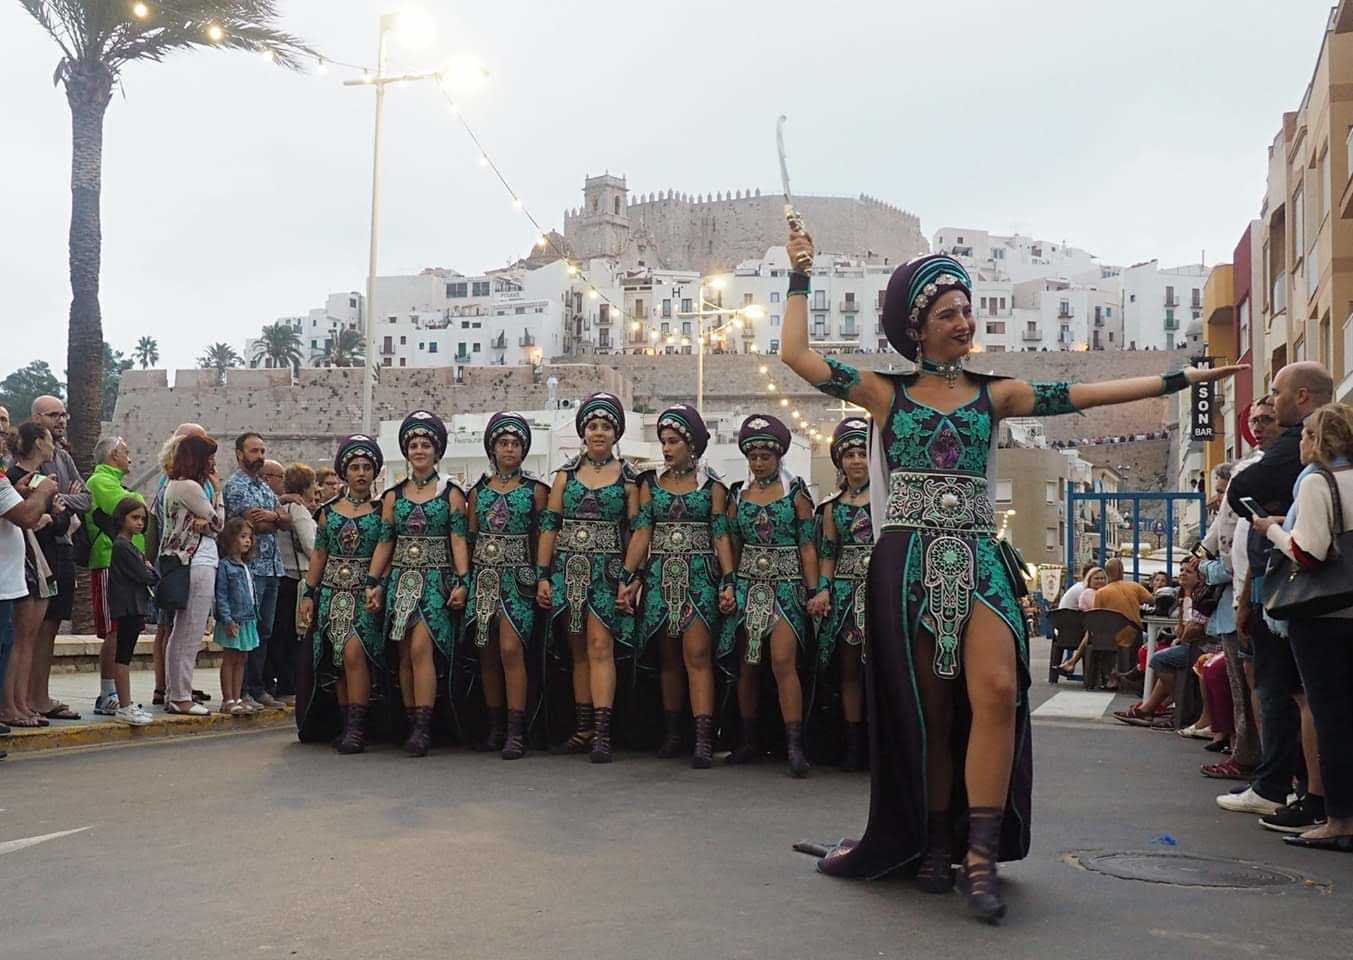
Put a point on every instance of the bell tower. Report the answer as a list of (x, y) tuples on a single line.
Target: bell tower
[(603, 226)]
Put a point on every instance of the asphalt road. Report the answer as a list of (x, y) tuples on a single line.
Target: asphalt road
[(256, 846)]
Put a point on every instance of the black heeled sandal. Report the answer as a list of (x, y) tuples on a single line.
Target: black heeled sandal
[(980, 884), (936, 873)]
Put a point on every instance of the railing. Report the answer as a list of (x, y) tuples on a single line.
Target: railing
[(850, 306), (1065, 313), (499, 342), (462, 358), (850, 331), (1171, 300), (1171, 324), (1033, 335), (1099, 321), (526, 340)]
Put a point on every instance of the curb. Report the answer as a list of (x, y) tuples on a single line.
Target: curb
[(164, 727)]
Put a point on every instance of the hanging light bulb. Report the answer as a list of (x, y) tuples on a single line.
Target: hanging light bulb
[(269, 56), (764, 368), (321, 68), (140, 11), (516, 204), (214, 33), (483, 160), (784, 402), (541, 241)]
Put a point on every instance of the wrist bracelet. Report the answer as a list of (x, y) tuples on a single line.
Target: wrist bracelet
[(628, 576), (729, 579), (542, 572), (1173, 382), (308, 591), (799, 282), (373, 581), (823, 583)]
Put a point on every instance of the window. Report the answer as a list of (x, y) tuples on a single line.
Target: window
[(819, 328), (421, 345), (480, 288), (352, 303), (747, 299), (1243, 312), (388, 345), (477, 325), (432, 346), (1002, 304), (686, 305), (984, 303), (617, 206), (666, 329), (403, 341), (819, 299), (1050, 491), (1299, 222), (667, 309), (638, 308), (402, 362), (775, 296), (774, 319), (775, 346), (686, 328), (1050, 538), (519, 311), (476, 347), (465, 324), (456, 290), (996, 326), (314, 344), (1132, 298), (1196, 302), (1004, 491)]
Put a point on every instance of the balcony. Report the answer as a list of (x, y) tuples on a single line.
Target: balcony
[(1171, 300), (1278, 294), (526, 340), (499, 342), (1031, 335), (1171, 324), (1099, 322), (1065, 313), (850, 332), (462, 358), (850, 306)]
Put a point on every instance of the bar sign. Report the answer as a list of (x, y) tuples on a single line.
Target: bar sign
[(1203, 401)]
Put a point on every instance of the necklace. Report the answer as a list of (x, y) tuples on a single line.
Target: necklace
[(950, 370), (506, 477), (768, 481), (355, 501), (599, 464), (420, 484), (677, 473), (856, 491)]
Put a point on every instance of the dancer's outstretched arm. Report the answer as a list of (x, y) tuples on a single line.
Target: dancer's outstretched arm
[(1018, 398)]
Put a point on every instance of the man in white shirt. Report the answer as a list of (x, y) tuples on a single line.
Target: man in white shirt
[(1072, 598), (19, 509)]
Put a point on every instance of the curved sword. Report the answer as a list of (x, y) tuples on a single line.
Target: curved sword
[(792, 216)]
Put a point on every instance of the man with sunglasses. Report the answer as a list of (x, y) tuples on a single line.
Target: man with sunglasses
[(51, 413)]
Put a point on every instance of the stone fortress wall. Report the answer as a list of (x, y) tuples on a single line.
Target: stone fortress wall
[(712, 233), (303, 420)]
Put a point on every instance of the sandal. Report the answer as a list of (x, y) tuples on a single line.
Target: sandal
[(61, 712), (21, 722), (1227, 770), (1342, 844), (1134, 715)]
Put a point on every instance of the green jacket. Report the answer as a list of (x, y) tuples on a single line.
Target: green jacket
[(106, 489)]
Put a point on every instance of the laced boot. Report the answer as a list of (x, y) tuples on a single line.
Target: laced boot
[(748, 750), (354, 729), (584, 718), (671, 742), (494, 739), (856, 757), (981, 887), (514, 744), (601, 742), (420, 737), (936, 874), (798, 760), (704, 742)]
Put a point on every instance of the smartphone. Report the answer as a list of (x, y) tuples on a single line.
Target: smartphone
[(1251, 505), (35, 480), (1200, 552)]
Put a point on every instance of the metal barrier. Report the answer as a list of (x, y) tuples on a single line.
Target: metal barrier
[(1136, 499)]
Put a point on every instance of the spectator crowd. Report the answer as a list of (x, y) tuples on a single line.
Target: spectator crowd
[(200, 551)]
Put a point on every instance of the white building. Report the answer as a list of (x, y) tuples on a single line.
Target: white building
[(658, 305), (1016, 258), (1158, 305)]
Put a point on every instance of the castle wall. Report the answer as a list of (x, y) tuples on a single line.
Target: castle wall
[(303, 421)]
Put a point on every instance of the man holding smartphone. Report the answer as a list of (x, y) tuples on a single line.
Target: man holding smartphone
[(1298, 389)]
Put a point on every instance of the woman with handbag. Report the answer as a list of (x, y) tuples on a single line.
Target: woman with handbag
[(187, 564), (1311, 586)]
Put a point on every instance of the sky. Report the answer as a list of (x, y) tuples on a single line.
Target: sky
[(235, 192)]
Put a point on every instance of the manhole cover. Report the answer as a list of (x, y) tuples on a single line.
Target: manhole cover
[(1185, 870)]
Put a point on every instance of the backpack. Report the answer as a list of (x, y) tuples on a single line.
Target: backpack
[(82, 544)]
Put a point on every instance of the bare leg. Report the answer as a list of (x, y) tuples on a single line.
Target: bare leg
[(422, 666), (582, 675), (1315, 783), (39, 694), (784, 664), (852, 685), (27, 619), (1161, 693), (356, 680), (513, 662), (749, 689), (697, 654), (1076, 657), (991, 677), (406, 673), (937, 703), (491, 670), (601, 662), (671, 678)]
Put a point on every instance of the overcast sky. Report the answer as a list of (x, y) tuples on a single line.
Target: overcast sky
[(236, 192)]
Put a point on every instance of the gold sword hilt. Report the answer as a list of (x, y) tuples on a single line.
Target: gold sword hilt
[(803, 262)]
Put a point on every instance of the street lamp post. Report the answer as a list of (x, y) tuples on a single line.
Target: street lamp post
[(389, 23), (707, 309)]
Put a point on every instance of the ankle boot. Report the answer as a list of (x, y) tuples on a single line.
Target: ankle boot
[(584, 720), (420, 738), (601, 743), (514, 744), (748, 750), (671, 742), (936, 873), (857, 756), (981, 887), (704, 742), (798, 760), (354, 729), (493, 740)]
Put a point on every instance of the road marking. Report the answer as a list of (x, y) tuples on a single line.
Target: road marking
[(10, 846), (1075, 705)]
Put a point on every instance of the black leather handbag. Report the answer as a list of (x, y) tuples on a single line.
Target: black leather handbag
[(171, 593), (1294, 592)]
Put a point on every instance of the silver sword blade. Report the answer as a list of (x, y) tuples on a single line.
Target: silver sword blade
[(784, 168)]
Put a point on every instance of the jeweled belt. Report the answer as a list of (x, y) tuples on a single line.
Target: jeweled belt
[(671, 536), (500, 549), (853, 561), (589, 536), (344, 573), (421, 552), (940, 502), (769, 563)]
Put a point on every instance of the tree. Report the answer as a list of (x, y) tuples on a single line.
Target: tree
[(97, 39), (278, 346), (23, 386), (345, 349), (219, 357), (114, 365), (147, 352)]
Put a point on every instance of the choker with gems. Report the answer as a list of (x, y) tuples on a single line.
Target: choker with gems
[(506, 477), (420, 484), (678, 473), (856, 491), (599, 464), (355, 501), (950, 370), (769, 481)]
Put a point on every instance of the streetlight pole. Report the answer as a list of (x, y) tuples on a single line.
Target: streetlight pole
[(389, 23), (707, 309)]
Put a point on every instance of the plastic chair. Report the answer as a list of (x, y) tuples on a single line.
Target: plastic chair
[(1068, 626), (1104, 627)]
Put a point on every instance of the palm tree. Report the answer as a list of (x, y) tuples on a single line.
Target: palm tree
[(219, 357), (97, 39), (345, 349), (279, 346), (146, 352)]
